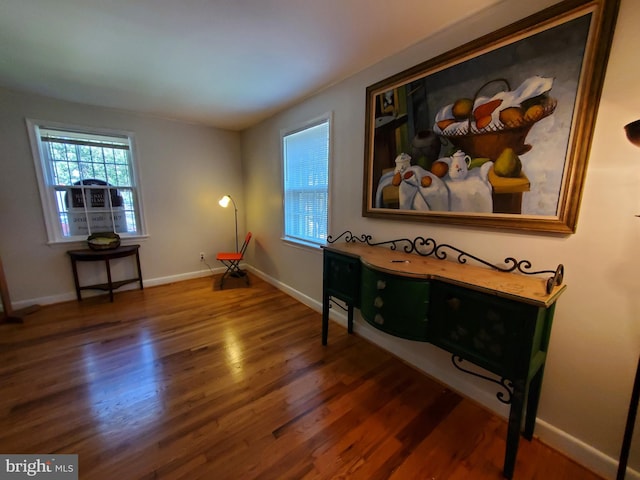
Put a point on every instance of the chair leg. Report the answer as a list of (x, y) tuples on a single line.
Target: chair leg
[(224, 275), (233, 270)]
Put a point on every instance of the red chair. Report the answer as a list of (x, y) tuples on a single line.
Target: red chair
[(232, 260)]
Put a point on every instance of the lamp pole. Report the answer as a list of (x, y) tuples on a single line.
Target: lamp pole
[(224, 203), (235, 213), (633, 134)]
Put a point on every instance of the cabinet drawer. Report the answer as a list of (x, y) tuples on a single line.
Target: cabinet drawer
[(489, 331), (342, 277), (395, 305)]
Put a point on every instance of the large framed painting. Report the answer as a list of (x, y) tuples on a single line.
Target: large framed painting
[(497, 132)]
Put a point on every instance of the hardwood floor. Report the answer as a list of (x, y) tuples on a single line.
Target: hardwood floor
[(184, 381)]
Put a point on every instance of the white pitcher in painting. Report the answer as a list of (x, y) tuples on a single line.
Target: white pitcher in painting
[(459, 166)]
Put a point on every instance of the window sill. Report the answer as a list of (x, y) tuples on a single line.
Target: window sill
[(301, 244), (83, 241)]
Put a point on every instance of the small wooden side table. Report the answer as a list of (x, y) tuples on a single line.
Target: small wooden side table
[(88, 255)]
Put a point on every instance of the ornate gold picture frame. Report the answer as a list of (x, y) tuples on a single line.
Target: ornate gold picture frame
[(496, 132)]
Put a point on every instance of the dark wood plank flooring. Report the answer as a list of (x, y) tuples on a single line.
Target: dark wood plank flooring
[(186, 381)]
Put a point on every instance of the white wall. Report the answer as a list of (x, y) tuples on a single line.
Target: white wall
[(184, 170), (595, 341)]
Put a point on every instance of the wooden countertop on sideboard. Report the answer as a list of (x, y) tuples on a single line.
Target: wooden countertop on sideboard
[(529, 289)]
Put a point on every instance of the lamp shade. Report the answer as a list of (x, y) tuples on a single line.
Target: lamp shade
[(224, 201), (633, 132)]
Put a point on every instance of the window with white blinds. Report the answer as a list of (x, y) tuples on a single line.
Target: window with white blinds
[(306, 152), (87, 181)]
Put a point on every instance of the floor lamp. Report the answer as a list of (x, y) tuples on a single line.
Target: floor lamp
[(633, 134), (224, 202)]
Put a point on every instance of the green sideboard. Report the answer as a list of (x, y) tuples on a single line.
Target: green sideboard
[(500, 321)]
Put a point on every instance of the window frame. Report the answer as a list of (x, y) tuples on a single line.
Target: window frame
[(296, 128), (48, 201)]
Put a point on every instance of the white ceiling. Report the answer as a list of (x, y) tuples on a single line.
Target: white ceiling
[(224, 63)]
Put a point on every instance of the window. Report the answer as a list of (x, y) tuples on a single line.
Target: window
[(87, 181), (305, 153)]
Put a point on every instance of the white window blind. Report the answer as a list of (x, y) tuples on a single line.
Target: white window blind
[(306, 182)]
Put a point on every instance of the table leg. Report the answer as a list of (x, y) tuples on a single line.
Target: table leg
[(325, 318), (74, 267), (139, 269), (109, 283), (350, 318), (533, 399), (513, 429)]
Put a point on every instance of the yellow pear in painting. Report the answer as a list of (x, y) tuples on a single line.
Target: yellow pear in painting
[(508, 164)]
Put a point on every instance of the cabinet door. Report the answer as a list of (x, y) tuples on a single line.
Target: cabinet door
[(342, 277), (395, 305), (492, 332)]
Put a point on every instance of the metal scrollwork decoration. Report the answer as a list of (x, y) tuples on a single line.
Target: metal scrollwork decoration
[(505, 383), (428, 246)]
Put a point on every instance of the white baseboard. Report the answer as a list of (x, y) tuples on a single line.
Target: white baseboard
[(148, 282), (308, 301), (581, 452), (153, 282)]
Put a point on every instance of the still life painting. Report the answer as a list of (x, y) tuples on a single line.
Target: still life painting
[(496, 132)]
